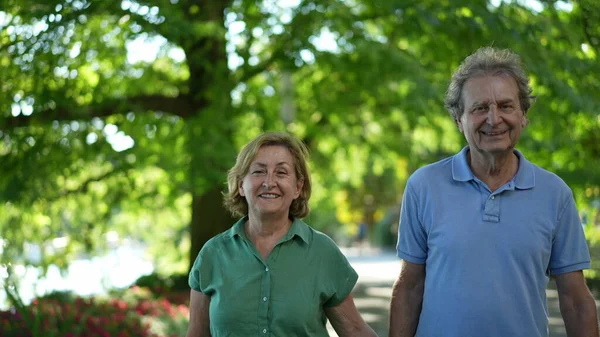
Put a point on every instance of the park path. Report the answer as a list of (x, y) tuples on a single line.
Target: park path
[(377, 271)]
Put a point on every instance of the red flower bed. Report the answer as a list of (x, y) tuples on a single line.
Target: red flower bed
[(81, 318), (134, 313)]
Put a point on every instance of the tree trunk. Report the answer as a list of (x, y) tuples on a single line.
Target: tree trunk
[(212, 153), (209, 218), (210, 127)]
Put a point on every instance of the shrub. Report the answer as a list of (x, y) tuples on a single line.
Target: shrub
[(135, 312), (161, 284)]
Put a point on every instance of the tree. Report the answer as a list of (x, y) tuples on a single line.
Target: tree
[(92, 139)]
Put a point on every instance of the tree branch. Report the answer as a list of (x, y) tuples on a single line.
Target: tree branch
[(249, 72), (174, 105), (83, 188)]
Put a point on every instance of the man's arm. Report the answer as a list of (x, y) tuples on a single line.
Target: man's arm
[(577, 305), (199, 319), (346, 320), (407, 298)]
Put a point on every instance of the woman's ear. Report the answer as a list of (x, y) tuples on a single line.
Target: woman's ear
[(299, 185), (240, 188)]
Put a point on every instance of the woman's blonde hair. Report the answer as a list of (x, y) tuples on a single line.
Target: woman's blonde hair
[(237, 204)]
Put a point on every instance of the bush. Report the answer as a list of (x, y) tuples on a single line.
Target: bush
[(131, 312), (152, 281), (77, 318), (161, 284)]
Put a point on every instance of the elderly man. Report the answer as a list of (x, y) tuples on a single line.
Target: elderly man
[(482, 231)]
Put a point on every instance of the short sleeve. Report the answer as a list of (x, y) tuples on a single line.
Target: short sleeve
[(201, 275), (569, 247), (412, 238), (341, 277)]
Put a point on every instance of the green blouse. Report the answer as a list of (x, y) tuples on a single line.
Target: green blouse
[(282, 296)]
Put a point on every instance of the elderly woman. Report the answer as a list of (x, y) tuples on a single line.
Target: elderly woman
[(271, 274)]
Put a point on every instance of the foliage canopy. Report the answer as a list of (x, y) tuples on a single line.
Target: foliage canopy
[(125, 115)]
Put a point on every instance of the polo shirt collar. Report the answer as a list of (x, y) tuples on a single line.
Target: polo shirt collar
[(298, 228), (524, 179), (460, 167)]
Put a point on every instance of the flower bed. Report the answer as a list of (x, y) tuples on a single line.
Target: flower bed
[(132, 312)]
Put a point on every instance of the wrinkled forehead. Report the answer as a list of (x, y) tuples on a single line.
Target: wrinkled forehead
[(490, 89)]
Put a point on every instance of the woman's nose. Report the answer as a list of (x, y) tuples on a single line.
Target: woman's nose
[(268, 181)]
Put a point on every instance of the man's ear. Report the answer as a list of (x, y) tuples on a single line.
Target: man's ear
[(524, 121), (459, 124)]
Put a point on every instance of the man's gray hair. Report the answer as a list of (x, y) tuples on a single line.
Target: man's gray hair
[(487, 61)]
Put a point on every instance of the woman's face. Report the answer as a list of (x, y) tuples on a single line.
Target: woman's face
[(271, 184)]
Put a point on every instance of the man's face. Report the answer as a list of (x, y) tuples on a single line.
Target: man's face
[(492, 118)]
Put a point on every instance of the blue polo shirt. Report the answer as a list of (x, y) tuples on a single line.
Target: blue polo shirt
[(488, 256)]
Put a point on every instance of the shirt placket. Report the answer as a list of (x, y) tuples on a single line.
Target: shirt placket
[(265, 299), (491, 212)]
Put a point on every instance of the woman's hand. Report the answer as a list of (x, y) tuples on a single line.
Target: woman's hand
[(346, 320)]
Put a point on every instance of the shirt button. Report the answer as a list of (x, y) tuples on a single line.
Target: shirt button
[(264, 299), (264, 330), (492, 197), (267, 269)]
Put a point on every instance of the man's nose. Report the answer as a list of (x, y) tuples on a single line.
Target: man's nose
[(493, 117)]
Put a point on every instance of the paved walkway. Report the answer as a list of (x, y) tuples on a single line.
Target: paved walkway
[(377, 271)]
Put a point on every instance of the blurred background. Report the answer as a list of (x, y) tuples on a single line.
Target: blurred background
[(120, 119)]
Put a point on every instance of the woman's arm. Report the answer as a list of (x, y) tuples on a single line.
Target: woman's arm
[(199, 319), (346, 320)]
